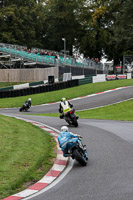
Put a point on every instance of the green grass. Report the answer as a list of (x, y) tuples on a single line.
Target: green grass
[(120, 111), (69, 93), (26, 154)]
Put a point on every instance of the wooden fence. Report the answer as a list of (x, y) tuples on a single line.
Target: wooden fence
[(28, 75)]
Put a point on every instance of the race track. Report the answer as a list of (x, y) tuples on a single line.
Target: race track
[(109, 173)]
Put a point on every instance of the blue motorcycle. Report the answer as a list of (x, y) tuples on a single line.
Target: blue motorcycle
[(76, 150)]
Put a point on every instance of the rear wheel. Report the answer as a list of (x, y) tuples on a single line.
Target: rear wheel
[(68, 121), (80, 157), (75, 123)]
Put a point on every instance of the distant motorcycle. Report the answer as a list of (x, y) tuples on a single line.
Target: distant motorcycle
[(24, 107), (77, 150), (71, 118)]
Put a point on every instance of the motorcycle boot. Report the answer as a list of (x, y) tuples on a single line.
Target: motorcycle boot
[(62, 116)]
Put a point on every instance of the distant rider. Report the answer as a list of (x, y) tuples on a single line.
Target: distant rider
[(64, 107), (28, 103)]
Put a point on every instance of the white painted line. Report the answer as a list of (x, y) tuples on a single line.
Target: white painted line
[(58, 148), (47, 129), (47, 179), (61, 157), (25, 193), (65, 172), (58, 167)]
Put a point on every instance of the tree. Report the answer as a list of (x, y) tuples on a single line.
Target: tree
[(21, 22), (61, 23), (121, 39), (98, 17)]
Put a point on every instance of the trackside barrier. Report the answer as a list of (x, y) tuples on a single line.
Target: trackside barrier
[(121, 76), (129, 75), (21, 86), (110, 77), (39, 89), (116, 77), (87, 79), (25, 85), (36, 83), (15, 87), (99, 78), (6, 88)]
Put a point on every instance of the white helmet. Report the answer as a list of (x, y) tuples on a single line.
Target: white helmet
[(64, 128), (29, 99)]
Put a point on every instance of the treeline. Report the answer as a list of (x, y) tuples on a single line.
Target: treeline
[(94, 27)]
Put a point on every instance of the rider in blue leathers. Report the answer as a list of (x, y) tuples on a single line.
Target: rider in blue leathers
[(64, 138)]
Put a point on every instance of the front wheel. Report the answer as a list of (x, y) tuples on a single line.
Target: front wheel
[(80, 157), (20, 110)]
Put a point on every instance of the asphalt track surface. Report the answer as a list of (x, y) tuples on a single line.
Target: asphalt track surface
[(109, 173)]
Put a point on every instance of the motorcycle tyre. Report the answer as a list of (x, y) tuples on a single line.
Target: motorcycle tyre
[(68, 121), (75, 123), (20, 110), (79, 157), (26, 109)]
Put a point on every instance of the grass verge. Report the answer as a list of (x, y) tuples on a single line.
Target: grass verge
[(26, 154), (70, 93), (120, 111)]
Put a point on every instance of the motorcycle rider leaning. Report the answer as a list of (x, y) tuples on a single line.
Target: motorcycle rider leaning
[(64, 107), (64, 138), (28, 103)]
